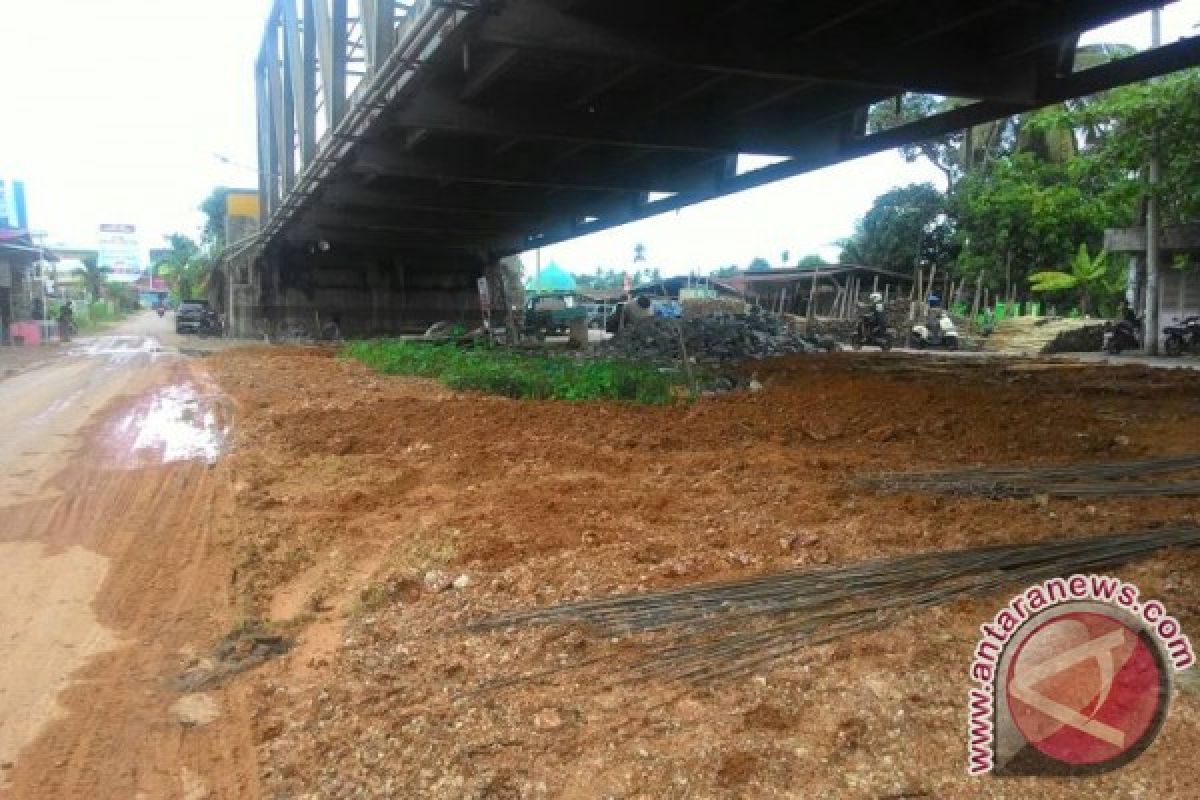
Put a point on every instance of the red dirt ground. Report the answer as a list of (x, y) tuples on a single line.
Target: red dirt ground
[(353, 491)]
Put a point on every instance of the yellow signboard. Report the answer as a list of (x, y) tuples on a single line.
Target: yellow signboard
[(241, 215), (241, 204)]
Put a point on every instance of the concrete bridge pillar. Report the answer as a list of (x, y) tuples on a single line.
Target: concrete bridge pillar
[(299, 291)]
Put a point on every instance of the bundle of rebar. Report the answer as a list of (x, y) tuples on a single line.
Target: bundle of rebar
[(717, 630), (1110, 479)]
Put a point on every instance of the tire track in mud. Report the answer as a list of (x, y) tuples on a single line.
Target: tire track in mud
[(165, 600)]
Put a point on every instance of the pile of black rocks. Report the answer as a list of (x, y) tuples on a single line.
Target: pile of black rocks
[(713, 337), (1087, 339)]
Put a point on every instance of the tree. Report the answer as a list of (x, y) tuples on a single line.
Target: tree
[(905, 227), (123, 294), (602, 278), (1092, 279), (961, 153), (1124, 124), (1026, 215), (759, 264), (784, 257), (812, 260), (955, 154), (725, 272), (93, 277), (186, 269), (213, 208), (639, 253)]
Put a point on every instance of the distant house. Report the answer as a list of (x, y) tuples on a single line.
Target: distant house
[(151, 291), (22, 296), (790, 289), (69, 272)]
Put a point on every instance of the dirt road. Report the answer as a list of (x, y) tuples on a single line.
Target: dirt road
[(110, 487), (372, 518)]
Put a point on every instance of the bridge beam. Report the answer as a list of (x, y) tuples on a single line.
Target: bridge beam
[(443, 111), (539, 26), (379, 160), (349, 196), (404, 222)]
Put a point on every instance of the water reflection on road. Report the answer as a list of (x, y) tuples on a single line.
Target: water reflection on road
[(180, 422)]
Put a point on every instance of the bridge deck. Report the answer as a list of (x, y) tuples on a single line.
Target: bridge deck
[(493, 126)]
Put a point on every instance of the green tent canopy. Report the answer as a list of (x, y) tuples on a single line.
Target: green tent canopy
[(553, 279)]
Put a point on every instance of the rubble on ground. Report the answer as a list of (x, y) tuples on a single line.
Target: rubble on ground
[(240, 650), (714, 337), (1088, 339)]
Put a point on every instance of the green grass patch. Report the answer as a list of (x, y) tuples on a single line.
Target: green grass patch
[(542, 377)]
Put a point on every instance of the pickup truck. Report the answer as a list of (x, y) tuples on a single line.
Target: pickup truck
[(193, 316)]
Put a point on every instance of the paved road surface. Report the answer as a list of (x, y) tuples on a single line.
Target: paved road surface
[(108, 496)]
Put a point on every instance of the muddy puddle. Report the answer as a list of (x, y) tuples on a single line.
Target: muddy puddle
[(116, 346), (180, 422)]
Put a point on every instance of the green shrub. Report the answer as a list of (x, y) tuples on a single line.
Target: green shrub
[(519, 376)]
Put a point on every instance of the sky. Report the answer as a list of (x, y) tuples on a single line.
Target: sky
[(129, 111)]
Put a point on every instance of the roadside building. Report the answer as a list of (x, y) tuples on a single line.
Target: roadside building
[(20, 295), (831, 288), (151, 291), (1178, 278), (24, 268), (69, 273)]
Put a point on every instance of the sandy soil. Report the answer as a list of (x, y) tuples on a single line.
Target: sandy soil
[(114, 579), (359, 498)]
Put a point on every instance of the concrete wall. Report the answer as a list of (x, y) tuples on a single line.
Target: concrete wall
[(1178, 296)]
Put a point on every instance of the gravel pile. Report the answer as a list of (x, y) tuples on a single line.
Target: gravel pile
[(714, 337)]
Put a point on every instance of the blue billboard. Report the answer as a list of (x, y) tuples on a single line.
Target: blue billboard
[(12, 205)]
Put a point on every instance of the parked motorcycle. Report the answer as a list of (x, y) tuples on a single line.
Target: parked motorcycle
[(1125, 335), (940, 332), (1183, 335), (872, 331)]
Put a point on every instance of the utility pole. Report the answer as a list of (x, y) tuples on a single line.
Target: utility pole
[(1150, 316)]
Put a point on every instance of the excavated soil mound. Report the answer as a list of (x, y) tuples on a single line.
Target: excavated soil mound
[(386, 513)]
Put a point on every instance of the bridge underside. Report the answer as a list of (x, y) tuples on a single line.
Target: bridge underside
[(483, 128)]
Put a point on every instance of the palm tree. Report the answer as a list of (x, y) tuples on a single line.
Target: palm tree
[(1090, 277), (187, 271), (639, 253), (93, 277)]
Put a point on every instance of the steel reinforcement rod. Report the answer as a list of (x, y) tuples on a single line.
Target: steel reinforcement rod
[(719, 630), (801, 587), (1066, 472)]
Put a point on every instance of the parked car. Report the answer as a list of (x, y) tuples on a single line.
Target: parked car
[(550, 314), (192, 316)]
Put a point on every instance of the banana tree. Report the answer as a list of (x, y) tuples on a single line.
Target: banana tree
[(1092, 279)]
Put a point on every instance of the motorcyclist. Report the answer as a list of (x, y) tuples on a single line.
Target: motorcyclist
[(66, 321), (1128, 314), (876, 313)]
